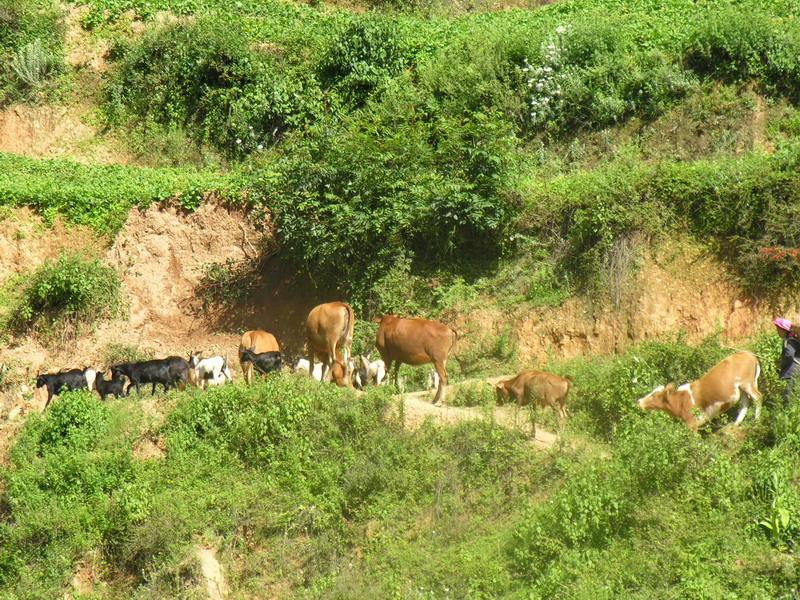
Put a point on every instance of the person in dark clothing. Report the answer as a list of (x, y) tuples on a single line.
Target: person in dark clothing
[(790, 357)]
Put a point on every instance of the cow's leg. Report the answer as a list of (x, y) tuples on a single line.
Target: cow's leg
[(532, 417), (744, 401), (755, 395), (442, 372)]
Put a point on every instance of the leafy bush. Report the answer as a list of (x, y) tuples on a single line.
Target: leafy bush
[(32, 64), (588, 511), (364, 55), (70, 289), (350, 204), (472, 394), (206, 79), (741, 49)]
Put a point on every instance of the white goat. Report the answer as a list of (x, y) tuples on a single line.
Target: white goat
[(303, 365), (433, 380), (209, 371), (374, 372)]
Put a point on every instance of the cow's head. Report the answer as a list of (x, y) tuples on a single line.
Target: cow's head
[(675, 402), (339, 374), (41, 381), (501, 392)]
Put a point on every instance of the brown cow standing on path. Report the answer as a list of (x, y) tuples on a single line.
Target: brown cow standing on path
[(536, 387), (415, 342), (715, 392), (256, 341), (329, 331)]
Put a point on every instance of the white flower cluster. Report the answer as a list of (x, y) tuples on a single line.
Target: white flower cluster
[(253, 142), (544, 82)]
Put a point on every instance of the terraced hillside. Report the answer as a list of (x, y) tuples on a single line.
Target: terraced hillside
[(604, 189)]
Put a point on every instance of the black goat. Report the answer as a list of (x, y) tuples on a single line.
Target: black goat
[(264, 362), (165, 371), (72, 379), (105, 387)]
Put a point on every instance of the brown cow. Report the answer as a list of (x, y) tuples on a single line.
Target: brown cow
[(415, 342), (536, 387), (698, 402), (257, 341), (329, 330)]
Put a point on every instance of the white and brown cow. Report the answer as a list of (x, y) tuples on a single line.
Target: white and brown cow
[(698, 402)]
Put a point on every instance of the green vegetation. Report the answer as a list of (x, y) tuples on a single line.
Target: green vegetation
[(391, 146), (31, 49), (100, 196), (313, 489), (394, 149), (422, 162), (70, 290)]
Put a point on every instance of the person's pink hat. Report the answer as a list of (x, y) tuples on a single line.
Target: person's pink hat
[(782, 323)]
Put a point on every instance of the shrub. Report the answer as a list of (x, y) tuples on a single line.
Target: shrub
[(32, 64), (588, 512), (740, 49), (365, 54), (31, 46), (70, 289), (206, 79), (472, 394), (657, 451), (350, 204)]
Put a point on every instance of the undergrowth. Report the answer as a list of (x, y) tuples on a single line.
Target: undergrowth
[(307, 487), (65, 294)]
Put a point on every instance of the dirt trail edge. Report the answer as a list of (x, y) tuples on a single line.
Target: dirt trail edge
[(417, 406)]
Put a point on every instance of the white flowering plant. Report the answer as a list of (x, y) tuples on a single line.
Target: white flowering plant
[(544, 81)]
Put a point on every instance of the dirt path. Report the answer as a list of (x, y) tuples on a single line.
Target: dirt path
[(216, 588), (418, 406)]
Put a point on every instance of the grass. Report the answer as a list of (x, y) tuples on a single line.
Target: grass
[(309, 490), (101, 196)]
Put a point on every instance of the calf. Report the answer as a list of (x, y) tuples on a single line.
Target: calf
[(170, 371), (263, 362), (115, 385), (535, 387), (699, 401), (72, 379), (209, 371)]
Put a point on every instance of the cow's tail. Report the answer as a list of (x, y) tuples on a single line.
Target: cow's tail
[(455, 340), (349, 324)]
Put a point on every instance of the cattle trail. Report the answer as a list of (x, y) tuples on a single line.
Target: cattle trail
[(418, 406), (216, 587)]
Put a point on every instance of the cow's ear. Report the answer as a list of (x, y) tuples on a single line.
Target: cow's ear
[(670, 388), (377, 319)]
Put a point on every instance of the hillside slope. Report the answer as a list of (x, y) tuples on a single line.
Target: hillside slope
[(606, 190)]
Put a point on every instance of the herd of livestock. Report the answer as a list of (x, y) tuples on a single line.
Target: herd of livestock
[(412, 341)]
